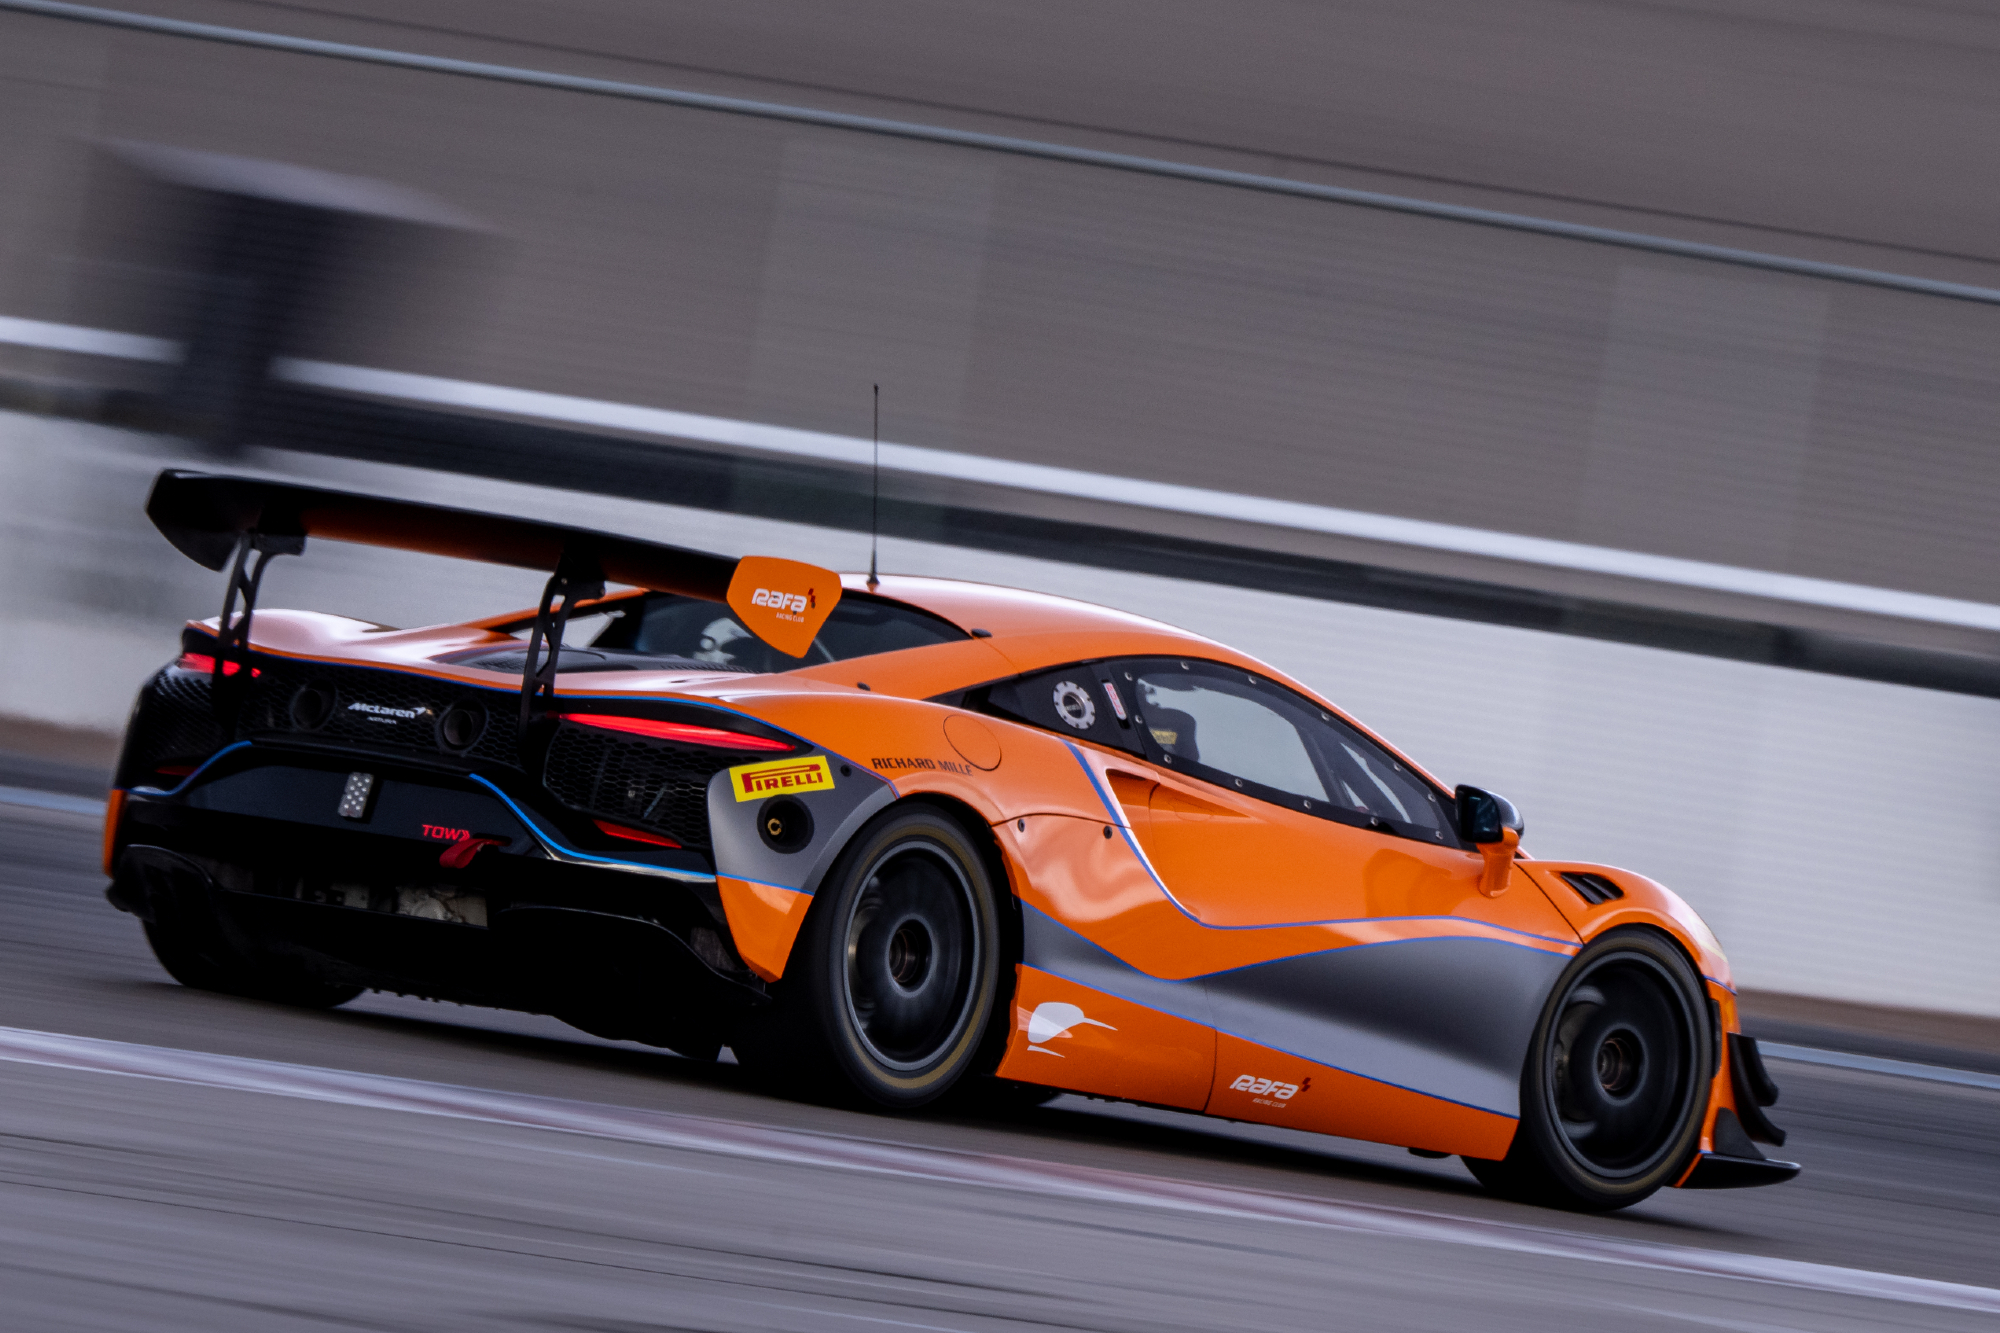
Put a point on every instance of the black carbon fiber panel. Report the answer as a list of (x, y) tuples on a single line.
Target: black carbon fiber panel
[(385, 711), (646, 783), (173, 724)]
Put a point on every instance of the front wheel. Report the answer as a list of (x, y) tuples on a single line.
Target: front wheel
[(896, 974), (1616, 1080)]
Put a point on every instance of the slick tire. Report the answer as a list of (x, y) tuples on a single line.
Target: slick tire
[(894, 981), (199, 956), (1616, 1080)]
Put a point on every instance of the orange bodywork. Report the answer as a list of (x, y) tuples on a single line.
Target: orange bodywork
[(1184, 944), (1070, 1036), (764, 920)]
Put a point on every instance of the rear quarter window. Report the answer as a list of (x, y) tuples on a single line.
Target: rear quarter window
[(666, 625)]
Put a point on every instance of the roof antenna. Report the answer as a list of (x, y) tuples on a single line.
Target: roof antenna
[(875, 495)]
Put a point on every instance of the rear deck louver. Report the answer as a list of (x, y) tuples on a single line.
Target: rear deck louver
[(1593, 889)]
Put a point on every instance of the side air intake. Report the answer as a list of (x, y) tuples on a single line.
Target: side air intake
[(1592, 888)]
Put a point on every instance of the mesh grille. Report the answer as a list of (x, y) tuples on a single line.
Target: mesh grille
[(174, 725), (648, 784), (644, 783), (384, 711)]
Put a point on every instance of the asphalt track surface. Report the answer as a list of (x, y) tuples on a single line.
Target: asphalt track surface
[(170, 1160)]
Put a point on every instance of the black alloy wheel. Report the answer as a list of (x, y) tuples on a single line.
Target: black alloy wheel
[(896, 975), (1616, 1082)]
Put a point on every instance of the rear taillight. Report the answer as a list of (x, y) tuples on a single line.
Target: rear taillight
[(685, 733), (635, 835), (205, 664)]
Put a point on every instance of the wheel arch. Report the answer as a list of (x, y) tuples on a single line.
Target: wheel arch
[(1004, 873), (1528, 1171), (1642, 902), (1724, 1019)]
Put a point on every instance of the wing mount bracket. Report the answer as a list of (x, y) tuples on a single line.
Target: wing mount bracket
[(578, 577), (230, 676)]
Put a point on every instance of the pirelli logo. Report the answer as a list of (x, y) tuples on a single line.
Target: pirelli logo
[(754, 781)]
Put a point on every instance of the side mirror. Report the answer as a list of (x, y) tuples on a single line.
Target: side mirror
[(1491, 824), (1485, 816)]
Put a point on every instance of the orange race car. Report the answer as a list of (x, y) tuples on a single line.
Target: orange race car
[(885, 837)]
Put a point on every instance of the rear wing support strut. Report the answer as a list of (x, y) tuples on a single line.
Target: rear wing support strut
[(577, 578), (230, 675)]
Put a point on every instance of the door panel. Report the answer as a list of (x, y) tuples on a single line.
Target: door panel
[(1255, 1082), (1234, 861)]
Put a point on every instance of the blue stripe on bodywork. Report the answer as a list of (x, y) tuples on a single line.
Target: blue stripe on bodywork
[(765, 883), (570, 853), (1448, 1017), (1118, 822), (204, 767)]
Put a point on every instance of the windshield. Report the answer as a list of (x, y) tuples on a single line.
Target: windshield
[(664, 625)]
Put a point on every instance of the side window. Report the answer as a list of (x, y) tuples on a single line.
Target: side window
[(1082, 702), (1368, 781), (1241, 731), (1226, 727)]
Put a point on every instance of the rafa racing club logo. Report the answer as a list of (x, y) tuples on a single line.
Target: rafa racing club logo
[(783, 602)]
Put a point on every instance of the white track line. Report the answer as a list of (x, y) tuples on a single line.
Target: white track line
[(1165, 497), (90, 342), (979, 1170), (1807, 1055)]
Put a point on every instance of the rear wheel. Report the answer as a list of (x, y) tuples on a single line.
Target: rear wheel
[(894, 980), (1616, 1078), (199, 954)]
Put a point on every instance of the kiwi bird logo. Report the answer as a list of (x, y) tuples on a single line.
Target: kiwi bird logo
[(1053, 1019)]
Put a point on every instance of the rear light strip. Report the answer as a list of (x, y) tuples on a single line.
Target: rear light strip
[(687, 733), (634, 835), (205, 664)]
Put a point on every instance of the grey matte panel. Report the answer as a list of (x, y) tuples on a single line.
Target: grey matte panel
[(1448, 1017), (732, 827), (1048, 944)]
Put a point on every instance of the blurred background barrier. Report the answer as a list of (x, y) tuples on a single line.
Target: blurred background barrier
[(1560, 515)]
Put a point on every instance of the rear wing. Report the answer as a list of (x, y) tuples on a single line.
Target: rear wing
[(238, 523)]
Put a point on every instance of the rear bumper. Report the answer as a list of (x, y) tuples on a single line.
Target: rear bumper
[(528, 922)]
